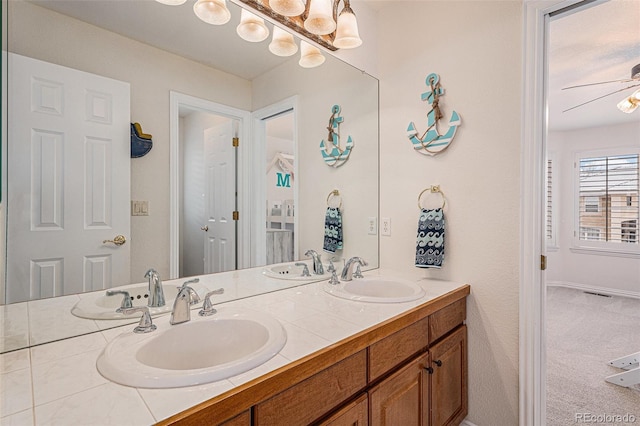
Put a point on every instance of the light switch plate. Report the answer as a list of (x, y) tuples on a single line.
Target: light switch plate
[(139, 208)]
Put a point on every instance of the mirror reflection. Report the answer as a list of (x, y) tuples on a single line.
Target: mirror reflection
[(170, 205)]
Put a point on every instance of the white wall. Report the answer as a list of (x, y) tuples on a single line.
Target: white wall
[(621, 275), (152, 73), (357, 179), (475, 47)]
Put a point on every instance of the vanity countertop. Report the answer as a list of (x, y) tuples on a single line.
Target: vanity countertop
[(58, 383)]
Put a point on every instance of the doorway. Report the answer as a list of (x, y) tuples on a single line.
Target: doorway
[(208, 191), (533, 187), (274, 228)]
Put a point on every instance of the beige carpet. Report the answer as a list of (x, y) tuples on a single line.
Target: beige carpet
[(584, 332)]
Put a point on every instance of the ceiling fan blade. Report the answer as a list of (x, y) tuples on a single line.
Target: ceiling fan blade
[(603, 96), (626, 80)]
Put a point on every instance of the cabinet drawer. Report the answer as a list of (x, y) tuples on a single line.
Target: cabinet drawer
[(312, 398), (446, 319), (400, 346)]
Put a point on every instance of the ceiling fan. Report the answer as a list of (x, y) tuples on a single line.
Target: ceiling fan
[(628, 104)]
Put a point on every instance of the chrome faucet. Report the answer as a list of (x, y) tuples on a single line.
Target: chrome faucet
[(186, 297), (318, 269), (156, 295), (347, 271)]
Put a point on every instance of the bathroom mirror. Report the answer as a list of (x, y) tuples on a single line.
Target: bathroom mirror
[(248, 79)]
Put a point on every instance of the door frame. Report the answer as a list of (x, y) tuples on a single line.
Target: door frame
[(532, 346), (176, 100), (258, 163)]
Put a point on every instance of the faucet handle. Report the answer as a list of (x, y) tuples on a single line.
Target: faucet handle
[(207, 306), (193, 295), (334, 278), (305, 269), (145, 325), (358, 272), (126, 299)]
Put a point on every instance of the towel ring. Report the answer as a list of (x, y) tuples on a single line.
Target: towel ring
[(432, 188), (334, 193)]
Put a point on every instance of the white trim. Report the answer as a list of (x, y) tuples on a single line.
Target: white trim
[(597, 251), (532, 408), (175, 100), (258, 185), (595, 289)]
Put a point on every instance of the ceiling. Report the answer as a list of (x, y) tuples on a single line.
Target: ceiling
[(593, 44), (176, 29)]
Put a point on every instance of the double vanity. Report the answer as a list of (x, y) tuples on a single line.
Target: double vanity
[(371, 350)]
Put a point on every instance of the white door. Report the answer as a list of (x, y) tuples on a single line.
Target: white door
[(220, 199), (68, 173)]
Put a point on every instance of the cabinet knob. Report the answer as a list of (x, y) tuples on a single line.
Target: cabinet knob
[(429, 370), (438, 362)]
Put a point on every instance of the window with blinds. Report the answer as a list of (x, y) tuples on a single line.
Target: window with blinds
[(608, 199)]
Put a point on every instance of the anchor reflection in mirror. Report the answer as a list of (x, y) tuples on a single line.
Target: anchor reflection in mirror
[(332, 153)]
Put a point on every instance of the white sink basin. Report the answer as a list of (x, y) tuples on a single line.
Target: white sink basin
[(290, 271), (376, 289), (98, 305), (202, 350)]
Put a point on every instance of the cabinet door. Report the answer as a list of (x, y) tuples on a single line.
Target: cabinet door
[(449, 379), (402, 398), (353, 414)]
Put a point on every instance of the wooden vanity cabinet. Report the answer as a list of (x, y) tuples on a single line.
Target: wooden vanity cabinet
[(409, 371)]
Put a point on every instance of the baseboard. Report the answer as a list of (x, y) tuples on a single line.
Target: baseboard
[(466, 422), (594, 289)]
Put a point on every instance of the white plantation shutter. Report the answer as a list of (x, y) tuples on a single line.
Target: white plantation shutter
[(608, 198)]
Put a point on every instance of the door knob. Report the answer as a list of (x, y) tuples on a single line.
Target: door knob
[(117, 240), (438, 362), (205, 228), (429, 370)]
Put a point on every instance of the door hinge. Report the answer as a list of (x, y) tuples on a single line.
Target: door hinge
[(236, 215), (543, 263), (235, 142)]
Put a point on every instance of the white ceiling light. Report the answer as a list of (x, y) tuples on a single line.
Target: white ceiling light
[(287, 7), (213, 12), (310, 56), (320, 20), (282, 43), (347, 36), (252, 28), (630, 104)]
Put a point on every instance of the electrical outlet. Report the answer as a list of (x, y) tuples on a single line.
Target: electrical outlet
[(372, 226), (385, 225)]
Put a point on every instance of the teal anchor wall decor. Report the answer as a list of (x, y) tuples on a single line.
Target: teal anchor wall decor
[(332, 154), (432, 142)]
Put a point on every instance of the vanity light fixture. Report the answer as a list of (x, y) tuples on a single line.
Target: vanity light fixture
[(310, 56), (320, 17), (213, 12), (287, 7), (347, 35), (630, 104), (282, 43), (252, 27)]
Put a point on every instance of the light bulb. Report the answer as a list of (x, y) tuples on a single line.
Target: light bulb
[(213, 12), (630, 104), (252, 27), (347, 36), (310, 56), (287, 7), (282, 43), (172, 2), (320, 20)]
